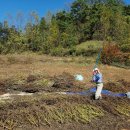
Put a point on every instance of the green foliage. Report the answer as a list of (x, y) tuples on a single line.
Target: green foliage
[(53, 37), (127, 10), (86, 20), (59, 51), (125, 47), (88, 48), (90, 45), (63, 19), (68, 40), (1, 48)]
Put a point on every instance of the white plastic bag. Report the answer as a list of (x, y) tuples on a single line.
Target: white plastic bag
[(79, 77)]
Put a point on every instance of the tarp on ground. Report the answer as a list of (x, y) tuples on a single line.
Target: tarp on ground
[(93, 90)]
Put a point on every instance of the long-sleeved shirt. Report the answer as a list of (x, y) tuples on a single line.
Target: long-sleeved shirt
[(97, 78)]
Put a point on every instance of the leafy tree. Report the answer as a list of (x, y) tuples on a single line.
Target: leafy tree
[(127, 10), (86, 20), (4, 32), (54, 34), (63, 19)]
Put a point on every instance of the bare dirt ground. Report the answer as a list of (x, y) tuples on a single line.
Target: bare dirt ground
[(46, 109)]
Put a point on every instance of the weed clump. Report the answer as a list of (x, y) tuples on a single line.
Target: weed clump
[(31, 78), (120, 86), (63, 81), (112, 55)]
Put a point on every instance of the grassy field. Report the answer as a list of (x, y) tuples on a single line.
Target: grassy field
[(26, 64), (89, 48), (90, 45), (46, 109)]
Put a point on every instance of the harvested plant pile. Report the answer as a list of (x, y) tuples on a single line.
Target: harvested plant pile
[(53, 110), (64, 81), (62, 112), (40, 83), (121, 86)]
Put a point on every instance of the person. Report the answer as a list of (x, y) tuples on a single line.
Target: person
[(97, 78)]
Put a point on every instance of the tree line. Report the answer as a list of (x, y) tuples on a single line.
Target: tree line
[(104, 20)]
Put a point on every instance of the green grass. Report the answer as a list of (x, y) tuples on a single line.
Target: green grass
[(95, 45), (88, 48)]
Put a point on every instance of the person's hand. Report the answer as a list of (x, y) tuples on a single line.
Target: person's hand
[(94, 72)]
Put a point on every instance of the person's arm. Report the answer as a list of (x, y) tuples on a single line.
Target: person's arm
[(94, 78)]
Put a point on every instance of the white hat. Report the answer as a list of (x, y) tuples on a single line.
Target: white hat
[(96, 69)]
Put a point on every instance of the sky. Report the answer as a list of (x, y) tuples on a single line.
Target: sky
[(127, 1), (9, 8)]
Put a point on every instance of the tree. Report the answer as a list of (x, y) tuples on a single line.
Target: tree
[(69, 37), (127, 10), (63, 19), (54, 34), (114, 23), (4, 32), (79, 11), (32, 32)]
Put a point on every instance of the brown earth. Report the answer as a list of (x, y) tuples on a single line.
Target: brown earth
[(112, 118), (62, 82), (45, 74), (116, 110)]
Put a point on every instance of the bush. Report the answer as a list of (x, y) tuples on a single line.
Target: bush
[(72, 51), (122, 58), (112, 54), (125, 47), (110, 51), (1, 48)]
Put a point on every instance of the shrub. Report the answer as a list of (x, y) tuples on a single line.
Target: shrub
[(72, 51), (112, 54), (125, 47), (1, 48), (110, 51), (124, 58)]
